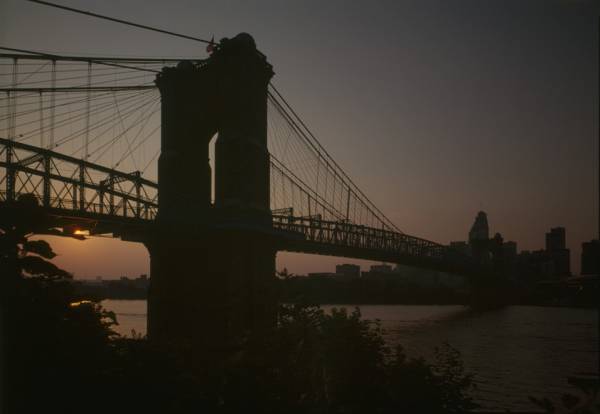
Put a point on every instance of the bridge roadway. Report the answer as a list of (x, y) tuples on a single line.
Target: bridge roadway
[(78, 194)]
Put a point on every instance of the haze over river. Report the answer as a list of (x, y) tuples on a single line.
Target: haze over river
[(514, 352)]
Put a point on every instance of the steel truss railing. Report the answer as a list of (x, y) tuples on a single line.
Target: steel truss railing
[(71, 184), (75, 189), (353, 236), (80, 189)]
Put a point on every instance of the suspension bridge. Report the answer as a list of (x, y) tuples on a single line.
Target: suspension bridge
[(82, 134), (95, 138)]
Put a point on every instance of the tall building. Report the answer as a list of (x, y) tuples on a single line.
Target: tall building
[(479, 230), (536, 265), (590, 258), (509, 249), (562, 262), (557, 251), (555, 239)]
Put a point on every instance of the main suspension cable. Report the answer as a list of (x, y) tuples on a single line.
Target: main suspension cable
[(126, 22)]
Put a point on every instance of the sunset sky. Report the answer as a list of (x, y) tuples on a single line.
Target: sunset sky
[(436, 109)]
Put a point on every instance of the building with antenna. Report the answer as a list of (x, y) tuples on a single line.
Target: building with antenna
[(480, 229)]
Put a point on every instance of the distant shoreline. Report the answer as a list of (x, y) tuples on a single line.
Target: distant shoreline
[(301, 290), (359, 304)]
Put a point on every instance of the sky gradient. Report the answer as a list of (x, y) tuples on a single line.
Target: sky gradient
[(436, 109)]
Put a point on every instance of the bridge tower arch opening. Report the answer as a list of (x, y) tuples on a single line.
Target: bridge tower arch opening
[(213, 263)]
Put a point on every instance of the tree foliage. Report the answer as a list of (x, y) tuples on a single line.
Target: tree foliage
[(317, 362), (62, 355)]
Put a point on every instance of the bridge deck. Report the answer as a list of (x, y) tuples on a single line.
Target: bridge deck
[(101, 200)]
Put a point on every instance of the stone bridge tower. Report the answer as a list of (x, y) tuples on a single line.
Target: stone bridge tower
[(213, 265)]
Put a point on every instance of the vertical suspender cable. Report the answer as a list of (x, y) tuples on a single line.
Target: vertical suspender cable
[(52, 100), (283, 191), (348, 207), (86, 151), (41, 120), (8, 113), (12, 102)]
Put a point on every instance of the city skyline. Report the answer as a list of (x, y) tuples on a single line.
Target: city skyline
[(495, 123)]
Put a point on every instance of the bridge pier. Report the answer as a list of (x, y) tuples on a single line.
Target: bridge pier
[(213, 266), (210, 292)]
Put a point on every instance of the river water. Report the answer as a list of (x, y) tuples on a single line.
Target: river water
[(514, 352)]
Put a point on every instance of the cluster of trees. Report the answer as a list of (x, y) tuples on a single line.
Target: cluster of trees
[(60, 354)]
